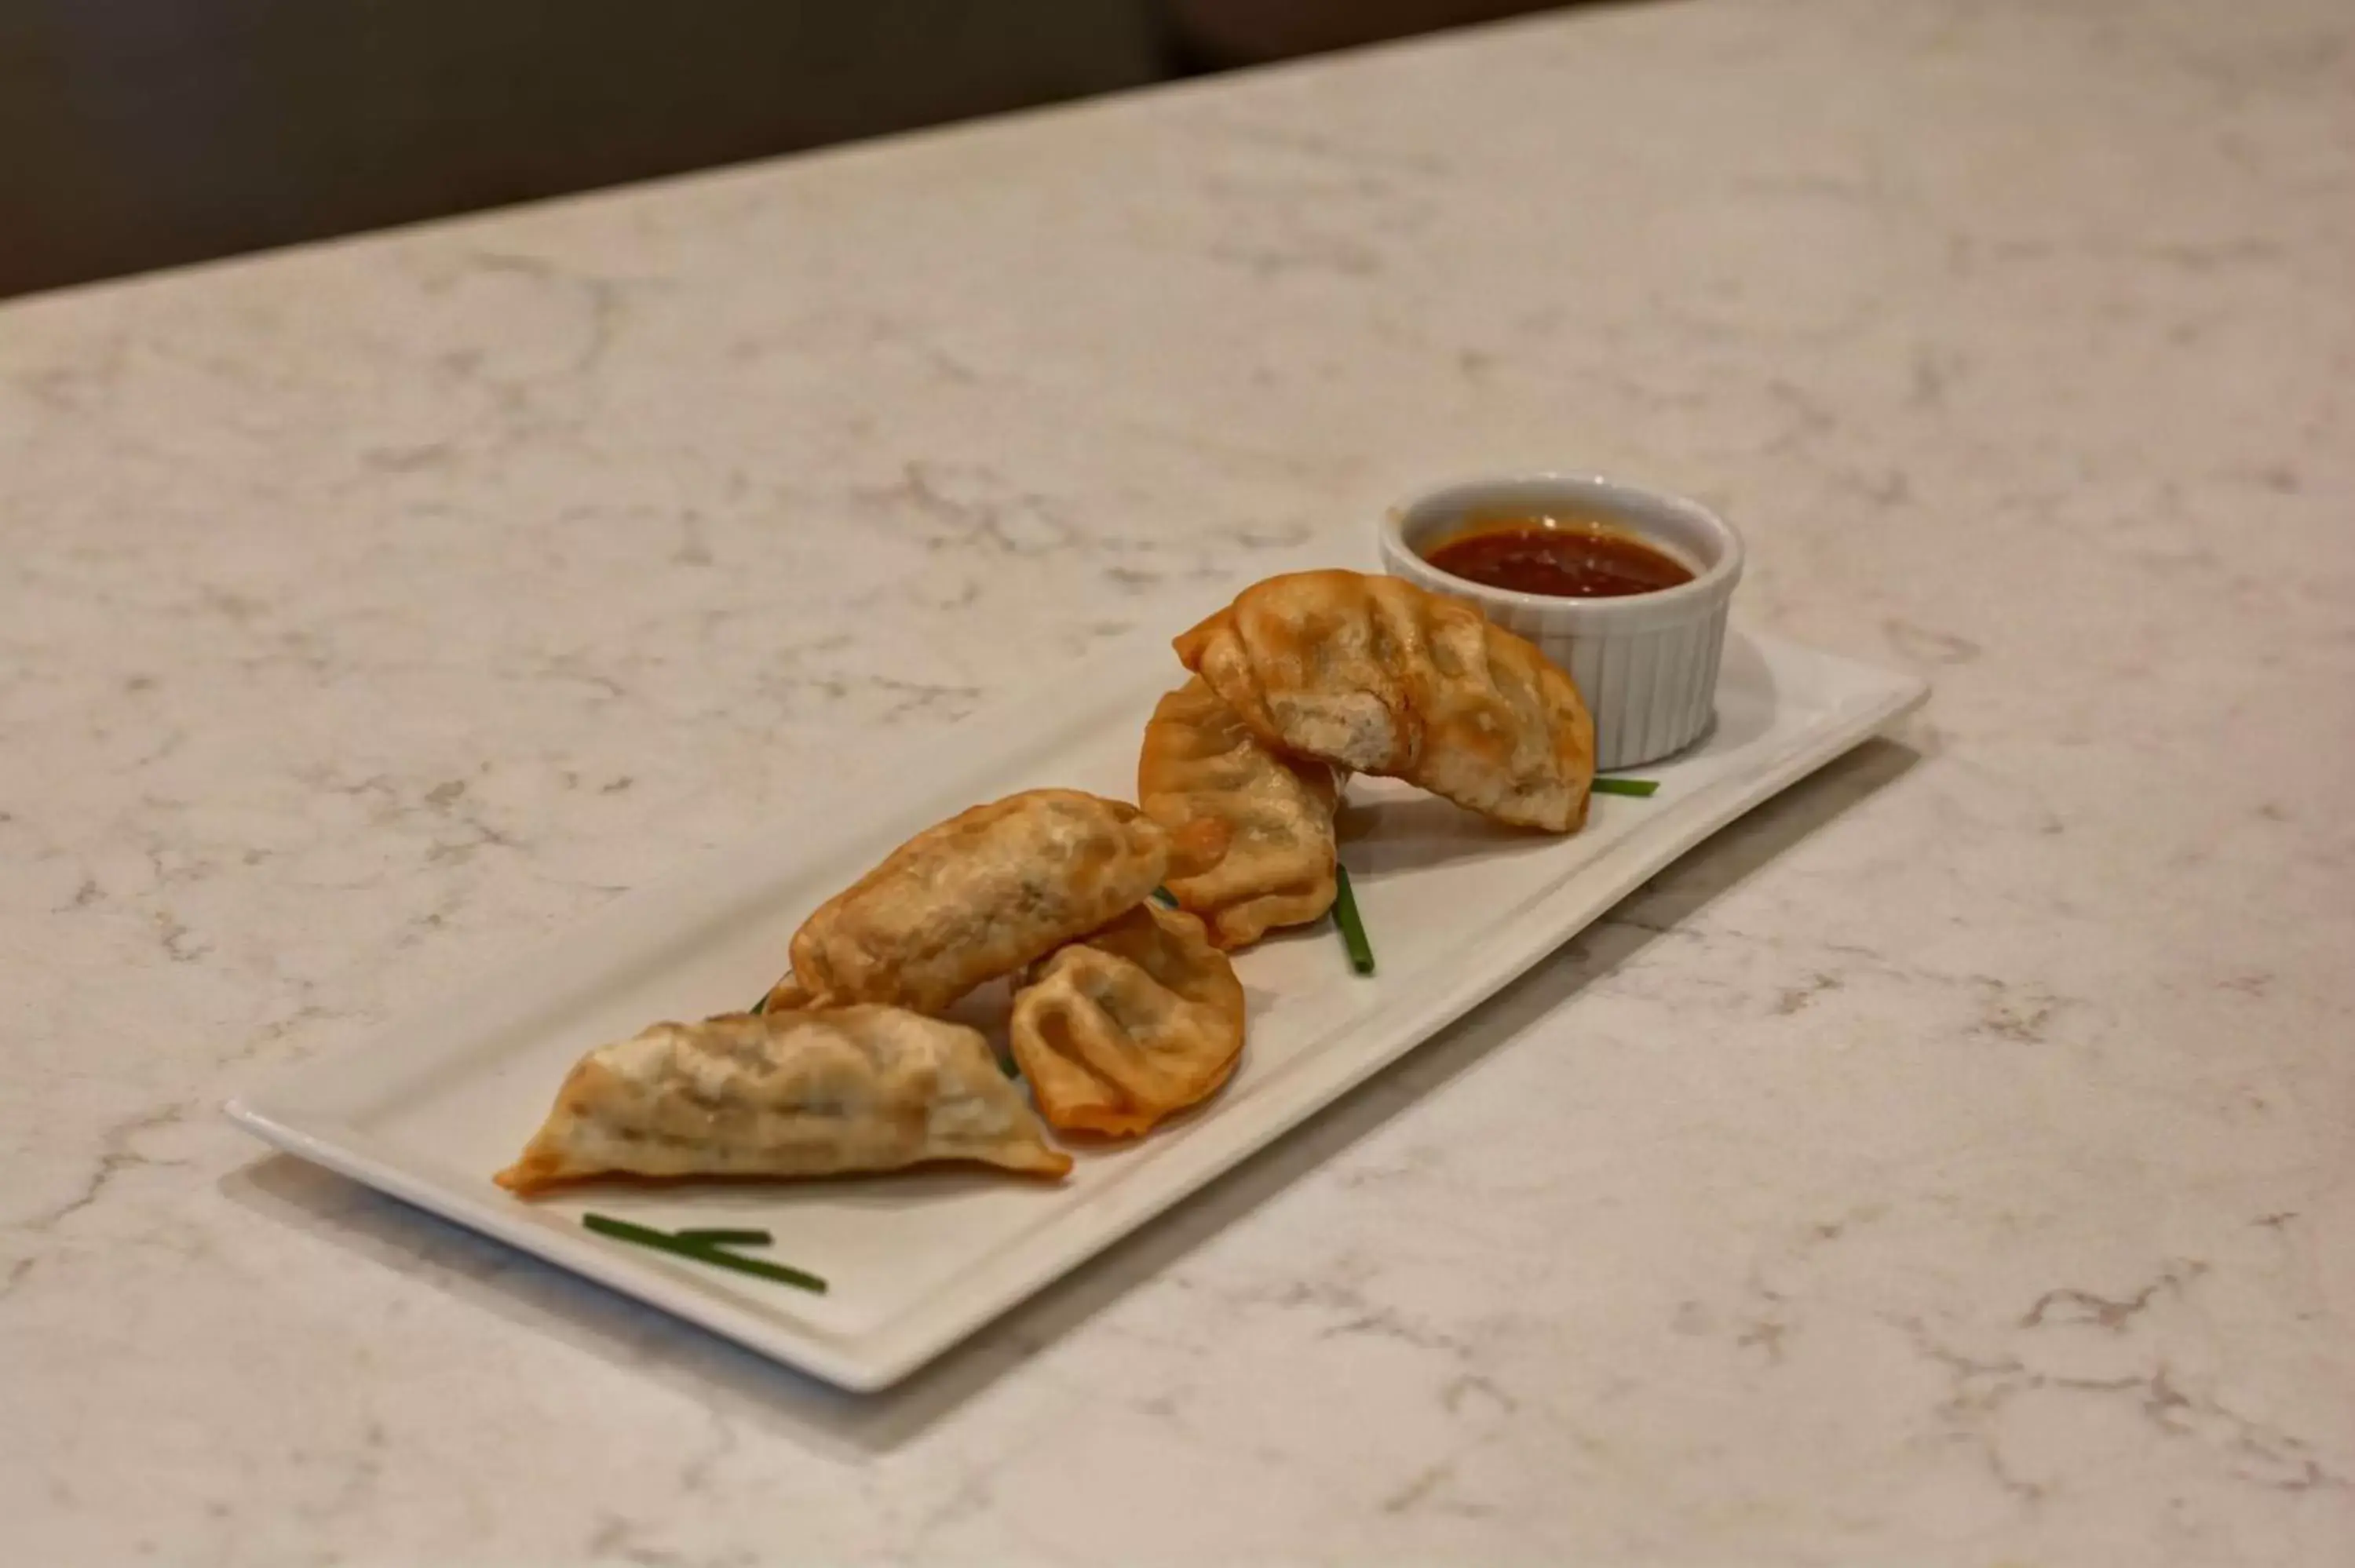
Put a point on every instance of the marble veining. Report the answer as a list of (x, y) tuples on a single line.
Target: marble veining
[(1948, 1164)]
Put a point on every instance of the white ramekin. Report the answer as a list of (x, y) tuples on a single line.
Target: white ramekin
[(1645, 663)]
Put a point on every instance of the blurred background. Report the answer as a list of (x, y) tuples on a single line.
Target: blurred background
[(144, 134)]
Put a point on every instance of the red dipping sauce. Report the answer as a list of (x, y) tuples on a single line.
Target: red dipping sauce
[(1561, 558)]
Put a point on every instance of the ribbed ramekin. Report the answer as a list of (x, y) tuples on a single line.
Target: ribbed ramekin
[(1645, 663)]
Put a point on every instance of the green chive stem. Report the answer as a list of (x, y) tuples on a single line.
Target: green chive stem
[(700, 1252), (1625, 786), (1353, 928), (720, 1238), (1168, 899)]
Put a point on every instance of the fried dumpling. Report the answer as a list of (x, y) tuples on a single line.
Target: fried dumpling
[(786, 1094), (1375, 674), (982, 895), (1136, 1021), (1201, 762)]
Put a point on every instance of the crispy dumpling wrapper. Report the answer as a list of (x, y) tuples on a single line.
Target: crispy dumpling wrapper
[(1130, 1025), (982, 895), (1200, 762), (1378, 676), (786, 1094)]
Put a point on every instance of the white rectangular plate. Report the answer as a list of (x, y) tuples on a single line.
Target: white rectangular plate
[(427, 1109)]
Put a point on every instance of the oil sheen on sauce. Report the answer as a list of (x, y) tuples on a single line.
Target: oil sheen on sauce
[(1561, 558)]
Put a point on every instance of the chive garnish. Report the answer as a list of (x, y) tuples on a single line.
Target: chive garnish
[(1168, 899), (1353, 929), (1625, 786), (700, 1252), (725, 1237)]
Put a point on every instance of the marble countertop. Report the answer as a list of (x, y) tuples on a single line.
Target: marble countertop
[(1949, 1164)]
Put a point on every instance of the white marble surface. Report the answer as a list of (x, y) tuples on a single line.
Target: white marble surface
[(1950, 1165)]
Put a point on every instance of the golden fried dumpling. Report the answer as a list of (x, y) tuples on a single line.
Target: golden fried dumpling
[(1200, 762), (786, 1094), (1375, 674), (1139, 1021), (982, 895)]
